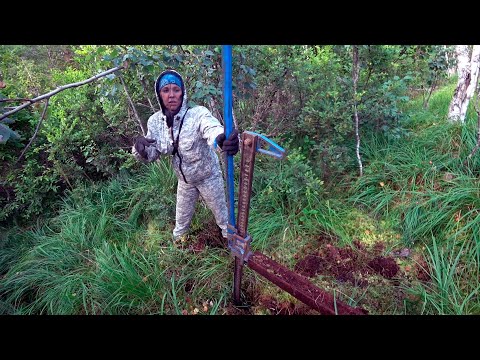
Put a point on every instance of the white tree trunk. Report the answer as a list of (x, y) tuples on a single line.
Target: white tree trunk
[(467, 69), (355, 73)]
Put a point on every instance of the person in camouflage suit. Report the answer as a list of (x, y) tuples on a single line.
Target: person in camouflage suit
[(190, 136)]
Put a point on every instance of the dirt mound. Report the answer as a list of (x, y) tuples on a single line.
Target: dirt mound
[(210, 235), (348, 264), (359, 265)]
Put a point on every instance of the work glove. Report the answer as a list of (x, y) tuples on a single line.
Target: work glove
[(141, 143), (230, 145)]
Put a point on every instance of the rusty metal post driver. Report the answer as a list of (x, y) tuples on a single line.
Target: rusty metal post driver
[(238, 238)]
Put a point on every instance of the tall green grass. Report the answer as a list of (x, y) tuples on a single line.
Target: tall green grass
[(97, 257), (424, 184), (454, 287), (109, 250), (422, 181)]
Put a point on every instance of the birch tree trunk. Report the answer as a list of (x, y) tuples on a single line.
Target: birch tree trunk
[(467, 69), (355, 72)]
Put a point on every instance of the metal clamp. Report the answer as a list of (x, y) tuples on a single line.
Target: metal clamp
[(267, 146), (239, 246)]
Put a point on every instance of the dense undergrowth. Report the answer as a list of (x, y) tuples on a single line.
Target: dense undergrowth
[(108, 249)]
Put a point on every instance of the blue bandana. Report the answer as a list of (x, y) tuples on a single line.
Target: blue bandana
[(170, 79)]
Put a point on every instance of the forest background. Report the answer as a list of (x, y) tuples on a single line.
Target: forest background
[(377, 201)]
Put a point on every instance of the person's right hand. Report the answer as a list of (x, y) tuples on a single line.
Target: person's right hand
[(230, 145), (141, 143)]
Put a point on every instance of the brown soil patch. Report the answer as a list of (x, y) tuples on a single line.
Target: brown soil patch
[(420, 268), (348, 264), (387, 267), (208, 236), (359, 266)]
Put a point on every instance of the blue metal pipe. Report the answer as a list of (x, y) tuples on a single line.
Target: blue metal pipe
[(228, 118)]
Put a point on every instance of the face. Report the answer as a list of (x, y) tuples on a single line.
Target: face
[(171, 96)]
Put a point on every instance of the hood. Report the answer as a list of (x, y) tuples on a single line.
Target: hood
[(183, 107)]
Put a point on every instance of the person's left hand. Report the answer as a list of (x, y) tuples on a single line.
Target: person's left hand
[(230, 145), (141, 143)]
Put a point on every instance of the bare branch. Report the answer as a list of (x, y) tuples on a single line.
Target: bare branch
[(146, 106), (137, 117), (142, 81), (234, 121), (36, 131), (214, 107), (14, 100), (61, 88)]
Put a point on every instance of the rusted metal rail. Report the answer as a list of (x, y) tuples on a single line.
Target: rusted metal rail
[(299, 287)]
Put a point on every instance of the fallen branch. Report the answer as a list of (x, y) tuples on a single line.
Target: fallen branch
[(57, 90)]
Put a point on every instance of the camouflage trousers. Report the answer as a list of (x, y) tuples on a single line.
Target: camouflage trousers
[(212, 191)]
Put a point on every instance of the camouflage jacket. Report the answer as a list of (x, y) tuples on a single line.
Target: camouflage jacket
[(196, 129)]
